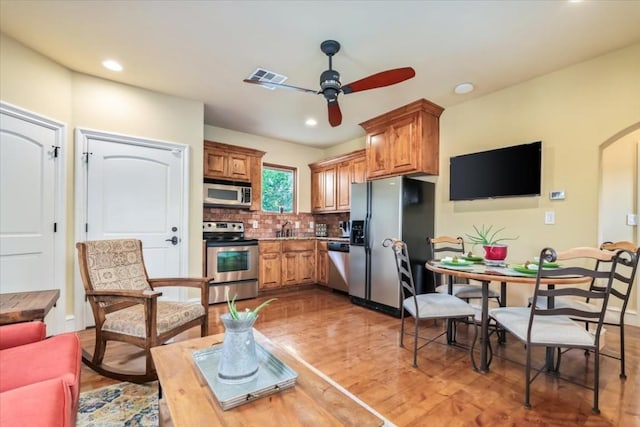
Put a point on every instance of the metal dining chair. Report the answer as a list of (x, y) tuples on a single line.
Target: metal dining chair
[(550, 326), (621, 289), (426, 306)]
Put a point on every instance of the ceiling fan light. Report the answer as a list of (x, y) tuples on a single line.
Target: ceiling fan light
[(463, 88)]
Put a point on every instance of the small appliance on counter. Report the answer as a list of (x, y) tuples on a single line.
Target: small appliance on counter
[(321, 230), (345, 229)]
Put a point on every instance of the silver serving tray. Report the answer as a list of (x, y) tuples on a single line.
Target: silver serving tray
[(273, 376)]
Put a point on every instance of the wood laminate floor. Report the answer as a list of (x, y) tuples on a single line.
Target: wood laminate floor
[(358, 348)]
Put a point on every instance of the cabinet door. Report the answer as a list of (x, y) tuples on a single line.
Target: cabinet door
[(239, 167), (377, 158), (306, 267), (270, 265), (317, 190), (214, 164), (330, 189), (290, 268), (343, 193), (359, 170), (323, 267), (403, 143)]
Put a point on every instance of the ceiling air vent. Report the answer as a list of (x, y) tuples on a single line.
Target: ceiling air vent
[(266, 76)]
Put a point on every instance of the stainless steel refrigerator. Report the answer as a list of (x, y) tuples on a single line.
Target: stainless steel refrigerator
[(399, 207)]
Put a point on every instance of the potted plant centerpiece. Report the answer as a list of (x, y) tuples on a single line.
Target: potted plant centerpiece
[(494, 251), (238, 360)]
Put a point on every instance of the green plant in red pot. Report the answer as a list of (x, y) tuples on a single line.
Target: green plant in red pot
[(494, 251)]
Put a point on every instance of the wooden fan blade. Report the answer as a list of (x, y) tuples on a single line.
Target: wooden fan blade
[(384, 78), (280, 86), (335, 115)]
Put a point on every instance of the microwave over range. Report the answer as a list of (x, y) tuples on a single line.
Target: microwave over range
[(221, 193)]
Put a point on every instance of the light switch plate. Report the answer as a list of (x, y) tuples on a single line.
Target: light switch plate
[(549, 217), (632, 219)]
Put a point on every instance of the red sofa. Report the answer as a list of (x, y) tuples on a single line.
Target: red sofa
[(39, 377)]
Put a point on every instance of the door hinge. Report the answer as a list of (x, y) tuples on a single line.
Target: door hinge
[(86, 227), (56, 148), (55, 227), (86, 155)]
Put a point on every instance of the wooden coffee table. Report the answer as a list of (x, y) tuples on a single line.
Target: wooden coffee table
[(18, 307), (314, 400)]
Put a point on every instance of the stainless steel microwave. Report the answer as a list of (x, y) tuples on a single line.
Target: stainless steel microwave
[(227, 194)]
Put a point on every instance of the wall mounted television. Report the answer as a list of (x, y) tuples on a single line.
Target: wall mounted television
[(503, 172)]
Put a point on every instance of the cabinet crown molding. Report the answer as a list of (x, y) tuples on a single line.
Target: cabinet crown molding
[(421, 105)]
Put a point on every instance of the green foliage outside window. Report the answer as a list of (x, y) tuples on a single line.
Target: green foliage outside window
[(277, 189)]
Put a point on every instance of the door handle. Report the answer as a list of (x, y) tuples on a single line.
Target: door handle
[(173, 240)]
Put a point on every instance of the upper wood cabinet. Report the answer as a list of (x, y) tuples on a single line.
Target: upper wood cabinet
[(331, 181), (230, 162), (404, 141)]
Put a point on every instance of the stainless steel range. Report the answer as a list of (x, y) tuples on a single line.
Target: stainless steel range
[(231, 260)]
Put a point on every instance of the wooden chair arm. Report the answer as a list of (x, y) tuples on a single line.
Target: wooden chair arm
[(190, 282), (111, 293)]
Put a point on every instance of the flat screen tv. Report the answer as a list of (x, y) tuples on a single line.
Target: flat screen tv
[(504, 172)]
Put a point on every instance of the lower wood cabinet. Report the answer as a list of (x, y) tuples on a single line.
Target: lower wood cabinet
[(322, 270), (270, 265), (287, 263)]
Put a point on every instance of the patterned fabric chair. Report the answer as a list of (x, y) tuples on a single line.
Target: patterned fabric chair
[(553, 327), (426, 306), (125, 304)]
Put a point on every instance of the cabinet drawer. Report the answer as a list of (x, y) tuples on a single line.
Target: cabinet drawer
[(269, 247), (298, 245)]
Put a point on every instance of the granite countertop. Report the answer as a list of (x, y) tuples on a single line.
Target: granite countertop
[(338, 239)]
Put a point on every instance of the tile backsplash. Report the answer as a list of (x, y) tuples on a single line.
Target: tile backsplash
[(269, 223)]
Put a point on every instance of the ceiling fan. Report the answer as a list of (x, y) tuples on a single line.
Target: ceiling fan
[(330, 86)]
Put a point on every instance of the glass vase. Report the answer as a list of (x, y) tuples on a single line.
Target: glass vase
[(238, 361)]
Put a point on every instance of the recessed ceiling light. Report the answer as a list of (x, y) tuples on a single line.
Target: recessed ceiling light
[(311, 122), (463, 88), (112, 65)]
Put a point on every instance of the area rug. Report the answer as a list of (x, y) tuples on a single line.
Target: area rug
[(123, 404)]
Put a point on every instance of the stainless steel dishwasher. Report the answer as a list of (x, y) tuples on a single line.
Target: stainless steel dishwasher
[(338, 265)]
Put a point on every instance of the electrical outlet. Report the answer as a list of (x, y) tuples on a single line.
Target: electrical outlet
[(297, 224), (549, 217), (311, 225), (255, 224)]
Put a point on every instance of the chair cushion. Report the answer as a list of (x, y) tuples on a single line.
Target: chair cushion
[(116, 264), (42, 404), (21, 334), (610, 317), (466, 291), (546, 330), (55, 357), (438, 306), (130, 321)]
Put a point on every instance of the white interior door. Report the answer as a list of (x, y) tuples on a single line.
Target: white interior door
[(136, 189), (29, 194)]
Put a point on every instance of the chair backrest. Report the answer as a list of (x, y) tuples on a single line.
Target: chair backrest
[(574, 264), (112, 264), (403, 266), (445, 246), (625, 272)]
